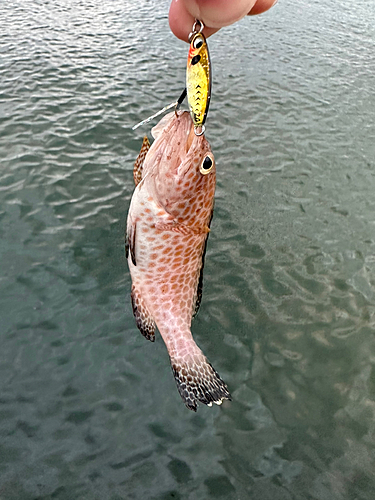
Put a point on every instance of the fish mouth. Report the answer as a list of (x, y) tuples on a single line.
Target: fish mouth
[(190, 138), (186, 134), (176, 144), (179, 141)]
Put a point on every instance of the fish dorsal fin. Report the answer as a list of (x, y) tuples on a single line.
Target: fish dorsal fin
[(156, 131), (138, 165), (143, 318), (199, 290)]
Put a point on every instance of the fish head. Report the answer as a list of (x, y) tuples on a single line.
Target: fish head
[(183, 175)]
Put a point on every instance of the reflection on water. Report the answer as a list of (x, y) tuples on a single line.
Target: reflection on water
[(88, 409)]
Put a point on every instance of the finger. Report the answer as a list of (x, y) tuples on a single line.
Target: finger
[(181, 21), (218, 13), (261, 6), (213, 13)]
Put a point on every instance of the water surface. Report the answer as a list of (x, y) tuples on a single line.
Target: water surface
[(88, 408)]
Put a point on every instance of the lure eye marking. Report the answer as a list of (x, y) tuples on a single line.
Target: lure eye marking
[(198, 42)]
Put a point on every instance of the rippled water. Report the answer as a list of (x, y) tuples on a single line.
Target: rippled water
[(88, 408)]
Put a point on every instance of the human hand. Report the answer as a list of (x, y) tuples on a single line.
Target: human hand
[(213, 13)]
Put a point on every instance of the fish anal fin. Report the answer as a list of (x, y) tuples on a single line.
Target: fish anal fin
[(143, 318), (130, 242), (197, 381), (138, 165)]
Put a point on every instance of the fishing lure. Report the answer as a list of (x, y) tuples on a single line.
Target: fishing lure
[(198, 82), (198, 77)]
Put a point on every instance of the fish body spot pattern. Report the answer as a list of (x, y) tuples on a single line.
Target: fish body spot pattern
[(167, 230)]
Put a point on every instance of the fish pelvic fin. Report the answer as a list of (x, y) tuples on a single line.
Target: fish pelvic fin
[(138, 165), (143, 318), (197, 381)]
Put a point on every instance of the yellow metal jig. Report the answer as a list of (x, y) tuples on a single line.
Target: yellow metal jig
[(198, 78), (198, 82)]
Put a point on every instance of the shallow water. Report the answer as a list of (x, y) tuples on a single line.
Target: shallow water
[(88, 408)]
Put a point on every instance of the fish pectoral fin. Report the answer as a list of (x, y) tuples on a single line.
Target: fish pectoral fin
[(178, 227), (143, 318), (130, 242), (138, 164), (197, 381)]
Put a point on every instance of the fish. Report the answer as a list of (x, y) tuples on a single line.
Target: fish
[(198, 79), (167, 229)]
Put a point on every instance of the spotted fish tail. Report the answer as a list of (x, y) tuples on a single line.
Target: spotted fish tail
[(197, 381)]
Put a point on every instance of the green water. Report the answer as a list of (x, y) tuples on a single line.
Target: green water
[(88, 408)]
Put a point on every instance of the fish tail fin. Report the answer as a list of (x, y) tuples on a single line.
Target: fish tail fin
[(197, 381)]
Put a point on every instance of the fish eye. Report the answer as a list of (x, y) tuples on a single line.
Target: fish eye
[(206, 165), (198, 42)]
